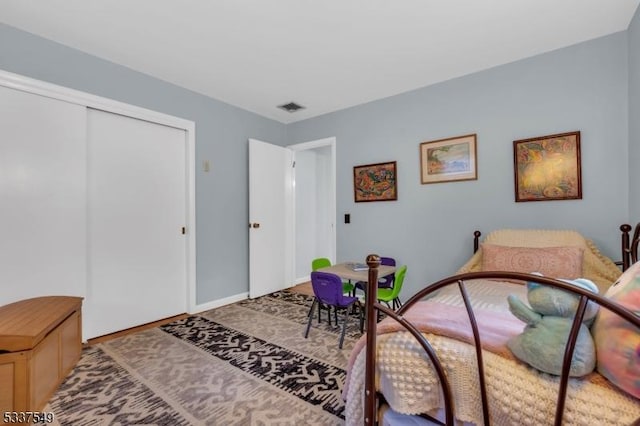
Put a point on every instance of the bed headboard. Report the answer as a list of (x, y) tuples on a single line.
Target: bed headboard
[(596, 266), (628, 248)]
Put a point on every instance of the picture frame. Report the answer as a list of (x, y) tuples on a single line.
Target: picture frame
[(375, 182), (548, 168), (450, 159)]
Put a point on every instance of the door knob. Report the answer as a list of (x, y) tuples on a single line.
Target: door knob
[(256, 225)]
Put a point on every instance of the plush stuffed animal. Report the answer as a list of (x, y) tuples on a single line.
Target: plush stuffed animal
[(543, 340)]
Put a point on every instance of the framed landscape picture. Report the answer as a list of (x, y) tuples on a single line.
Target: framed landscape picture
[(447, 160), (548, 168), (375, 182)]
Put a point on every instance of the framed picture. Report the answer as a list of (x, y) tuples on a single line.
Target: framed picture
[(447, 160), (548, 168), (375, 182)]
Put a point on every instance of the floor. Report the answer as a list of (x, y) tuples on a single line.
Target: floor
[(304, 288)]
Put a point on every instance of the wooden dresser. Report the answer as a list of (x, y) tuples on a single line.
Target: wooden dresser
[(40, 343)]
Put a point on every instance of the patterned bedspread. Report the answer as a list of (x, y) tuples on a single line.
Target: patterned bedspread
[(517, 393)]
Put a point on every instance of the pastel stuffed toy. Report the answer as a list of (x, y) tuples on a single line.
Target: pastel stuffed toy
[(549, 319), (617, 341)]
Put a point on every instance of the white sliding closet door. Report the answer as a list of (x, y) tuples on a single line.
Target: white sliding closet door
[(42, 197), (136, 211)]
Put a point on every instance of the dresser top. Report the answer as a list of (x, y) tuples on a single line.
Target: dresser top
[(25, 323)]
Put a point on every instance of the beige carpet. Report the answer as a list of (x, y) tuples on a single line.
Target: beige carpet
[(243, 364)]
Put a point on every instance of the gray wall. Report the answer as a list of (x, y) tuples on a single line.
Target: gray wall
[(584, 87), (634, 116), (429, 228), (221, 136)]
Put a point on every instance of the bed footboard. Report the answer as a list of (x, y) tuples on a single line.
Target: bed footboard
[(372, 398)]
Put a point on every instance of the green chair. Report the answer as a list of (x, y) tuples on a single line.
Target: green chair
[(320, 262), (392, 294)]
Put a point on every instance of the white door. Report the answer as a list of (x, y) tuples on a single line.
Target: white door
[(136, 211), (42, 197), (270, 218)]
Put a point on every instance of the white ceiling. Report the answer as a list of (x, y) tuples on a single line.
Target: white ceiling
[(324, 54)]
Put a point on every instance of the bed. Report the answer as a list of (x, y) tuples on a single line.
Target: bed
[(442, 356)]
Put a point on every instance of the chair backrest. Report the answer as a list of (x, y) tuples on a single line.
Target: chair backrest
[(320, 262), (389, 261), (387, 281), (327, 287), (399, 280)]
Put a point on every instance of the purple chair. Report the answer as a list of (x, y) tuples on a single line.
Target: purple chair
[(327, 289), (384, 282)]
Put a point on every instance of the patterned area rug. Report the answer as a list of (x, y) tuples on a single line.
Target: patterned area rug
[(243, 364)]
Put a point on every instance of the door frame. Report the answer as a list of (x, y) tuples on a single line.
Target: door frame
[(310, 145), (42, 88)]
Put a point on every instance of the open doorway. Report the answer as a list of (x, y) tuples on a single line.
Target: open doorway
[(315, 204)]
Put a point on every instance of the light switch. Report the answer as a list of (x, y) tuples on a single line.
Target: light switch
[(205, 165)]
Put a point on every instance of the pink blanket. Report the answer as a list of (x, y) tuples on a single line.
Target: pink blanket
[(496, 328)]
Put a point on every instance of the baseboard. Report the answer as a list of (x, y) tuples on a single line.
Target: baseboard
[(131, 330), (220, 302), (302, 280)]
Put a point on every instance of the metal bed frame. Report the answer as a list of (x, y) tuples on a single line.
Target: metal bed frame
[(373, 398)]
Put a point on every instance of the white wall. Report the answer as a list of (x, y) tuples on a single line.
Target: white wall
[(324, 234), (306, 212), (313, 208)]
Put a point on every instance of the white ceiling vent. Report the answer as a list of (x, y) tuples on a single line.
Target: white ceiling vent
[(291, 107)]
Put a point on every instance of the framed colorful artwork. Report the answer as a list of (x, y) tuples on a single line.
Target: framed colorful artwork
[(447, 160), (548, 168), (375, 182)]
